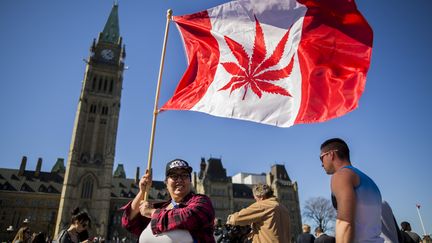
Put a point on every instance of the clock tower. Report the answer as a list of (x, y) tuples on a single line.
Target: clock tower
[(87, 182)]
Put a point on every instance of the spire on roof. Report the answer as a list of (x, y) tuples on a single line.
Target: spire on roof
[(119, 172), (58, 166), (111, 32)]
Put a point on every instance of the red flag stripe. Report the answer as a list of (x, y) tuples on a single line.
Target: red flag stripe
[(202, 51), (330, 46), (333, 66)]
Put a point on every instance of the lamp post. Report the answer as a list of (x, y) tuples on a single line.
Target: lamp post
[(421, 220)]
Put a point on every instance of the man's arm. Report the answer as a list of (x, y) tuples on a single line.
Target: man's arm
[(342, 185), (144, 186), (247, 215), (132, 218)]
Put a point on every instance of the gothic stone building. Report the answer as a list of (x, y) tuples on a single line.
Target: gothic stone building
[(87, 181), (35, 195), (88, 175), (230, 195)]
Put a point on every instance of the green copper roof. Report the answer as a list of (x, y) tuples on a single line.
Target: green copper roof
[(111, 32), (119, 172), (59, 166)]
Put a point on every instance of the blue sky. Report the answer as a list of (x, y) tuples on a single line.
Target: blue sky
[(43, 44)]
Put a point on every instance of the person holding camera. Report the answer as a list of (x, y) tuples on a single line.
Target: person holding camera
[(268, 218)]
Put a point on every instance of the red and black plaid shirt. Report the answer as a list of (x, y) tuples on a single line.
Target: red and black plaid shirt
[(195, 213)]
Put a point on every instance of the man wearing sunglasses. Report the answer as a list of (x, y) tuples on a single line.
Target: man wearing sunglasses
[(186, 217), (355, 196)]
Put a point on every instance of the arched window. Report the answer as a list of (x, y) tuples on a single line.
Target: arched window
[(105, 110), (111, 86), (93, 108), (105, 84), (94, 83), (100, 83), (87, 188)]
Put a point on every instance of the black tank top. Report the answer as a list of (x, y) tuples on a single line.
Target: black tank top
[(334, 201)]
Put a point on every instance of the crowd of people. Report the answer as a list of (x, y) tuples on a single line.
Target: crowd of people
[(188, 217), (77, 231), (25, 235), (320, 236)]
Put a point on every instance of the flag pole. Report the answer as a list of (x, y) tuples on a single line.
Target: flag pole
[(155, 109), (421, 220)]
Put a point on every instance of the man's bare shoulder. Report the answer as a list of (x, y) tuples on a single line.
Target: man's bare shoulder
[(344, 177)]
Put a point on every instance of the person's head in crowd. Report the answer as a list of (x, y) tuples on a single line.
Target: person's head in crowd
[(405, 226), (306, 228), (318, 231), (262, 191), (334, 154), (178, 179), (80, 220)]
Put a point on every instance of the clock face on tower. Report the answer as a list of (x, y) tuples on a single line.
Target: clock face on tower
[(107, 54)]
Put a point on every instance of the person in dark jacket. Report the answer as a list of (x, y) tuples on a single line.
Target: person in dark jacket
[(322, 237), (408, 235), (306, 236), (80, 220)]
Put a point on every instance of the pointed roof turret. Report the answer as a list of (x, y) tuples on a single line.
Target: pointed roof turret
[(111, 32), (279, 172), (59, 166), (119, 172), (215, 170)]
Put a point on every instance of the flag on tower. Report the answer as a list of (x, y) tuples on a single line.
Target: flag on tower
[(275, 62)]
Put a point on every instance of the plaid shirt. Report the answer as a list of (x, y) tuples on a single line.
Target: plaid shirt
[(195, 213)]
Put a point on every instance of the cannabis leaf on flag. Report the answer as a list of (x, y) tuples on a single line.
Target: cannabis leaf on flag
[(252, 72), (275, 62)]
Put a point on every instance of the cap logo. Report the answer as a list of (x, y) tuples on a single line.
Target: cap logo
[(178, 163)]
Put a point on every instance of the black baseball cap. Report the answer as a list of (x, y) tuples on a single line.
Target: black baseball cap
[(177, 164)]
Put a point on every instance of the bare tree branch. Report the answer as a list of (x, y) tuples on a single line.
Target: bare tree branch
[(320, 211)]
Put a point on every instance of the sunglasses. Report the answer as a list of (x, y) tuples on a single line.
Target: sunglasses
[(182, 176), (325, 153)]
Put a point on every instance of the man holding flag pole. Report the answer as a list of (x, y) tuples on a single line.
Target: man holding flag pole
[(274, 62)]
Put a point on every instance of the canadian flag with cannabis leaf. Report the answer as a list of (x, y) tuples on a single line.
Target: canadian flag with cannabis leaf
[(278, 62)]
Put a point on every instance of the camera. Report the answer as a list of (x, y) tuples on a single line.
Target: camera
[(232, 233)]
